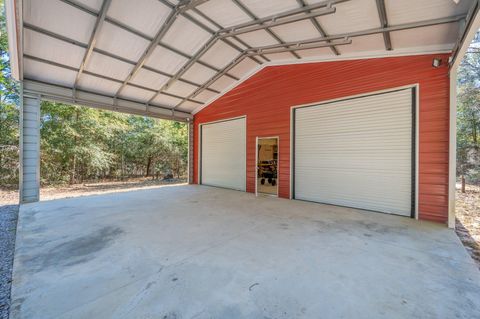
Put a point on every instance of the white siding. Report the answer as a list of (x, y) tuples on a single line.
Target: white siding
[(223, 158), (356, 152)]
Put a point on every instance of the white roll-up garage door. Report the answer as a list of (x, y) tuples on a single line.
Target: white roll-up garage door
[(357, 152), (223, 154)]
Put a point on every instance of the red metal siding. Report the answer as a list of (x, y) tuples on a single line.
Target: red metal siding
[(266, 99)]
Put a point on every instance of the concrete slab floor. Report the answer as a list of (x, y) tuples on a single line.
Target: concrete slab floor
[(201, 252)]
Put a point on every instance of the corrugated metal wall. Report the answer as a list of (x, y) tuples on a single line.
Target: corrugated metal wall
[(266, 99)]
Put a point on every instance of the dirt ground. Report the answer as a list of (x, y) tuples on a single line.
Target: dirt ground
[(10, 197), (468, 219)]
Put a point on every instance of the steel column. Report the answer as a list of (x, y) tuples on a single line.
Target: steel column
[(29, 147)]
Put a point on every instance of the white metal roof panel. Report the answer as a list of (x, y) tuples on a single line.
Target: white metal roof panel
[(262, 8), (48, 73), (187, 106), (257, 38), (181, 88), (98, 85), (92, 4), (296, 31), (149, 79), (205, 96), (198, 74), (48, 48), (121, 42), (224, 12), (222, 83), (60, 18), (406, 11), (186, 36), (442, 36), (165, 60), (57, 33), (166, 100), (372, 42), (146, 16), (220, 54), (351, 16), (136, 94), (105, 65), (243, 68)]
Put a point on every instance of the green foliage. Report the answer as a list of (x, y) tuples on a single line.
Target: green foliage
[(468, 116), (80, 143)]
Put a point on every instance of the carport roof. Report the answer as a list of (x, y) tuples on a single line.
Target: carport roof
[(170, 58)]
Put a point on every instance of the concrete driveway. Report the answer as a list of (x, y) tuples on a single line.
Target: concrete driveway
[(201, 252)]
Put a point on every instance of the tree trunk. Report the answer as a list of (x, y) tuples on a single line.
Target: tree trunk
[(463, 183), (149, 163)]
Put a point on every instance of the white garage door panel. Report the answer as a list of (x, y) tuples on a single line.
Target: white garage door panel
[(223, 154), (356, 152)]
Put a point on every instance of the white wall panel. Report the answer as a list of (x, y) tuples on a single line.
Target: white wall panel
[(205, 96), (356, 152), (315, 53), (223, 154), (146, 16)]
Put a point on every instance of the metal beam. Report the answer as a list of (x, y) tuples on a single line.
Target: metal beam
[(138, 33), (228, 67), (259, 27), (267, 21), (461, 43), (317, 26), (382, 14), (206, 17), (184, 68), (297, 46), (272, 22), (70, 68), (93, 38), (62, 94), (185, 5), (399, 27), (344, 36), (102, 52), (152, 46)]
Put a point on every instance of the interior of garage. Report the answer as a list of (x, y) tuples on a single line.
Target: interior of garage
[(267, 166)]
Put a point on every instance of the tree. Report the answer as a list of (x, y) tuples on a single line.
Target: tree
[(468, 116)]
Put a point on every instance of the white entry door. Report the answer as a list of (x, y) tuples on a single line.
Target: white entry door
[(223, 154), (357, 152)]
